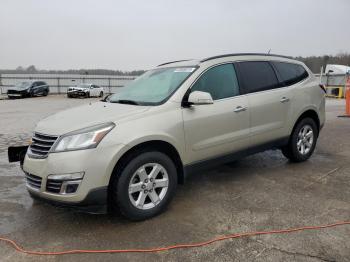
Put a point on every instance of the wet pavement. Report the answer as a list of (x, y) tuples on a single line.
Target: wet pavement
[(260, 192)]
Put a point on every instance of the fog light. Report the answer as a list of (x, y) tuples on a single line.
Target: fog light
[(64, 183), (71, 188)]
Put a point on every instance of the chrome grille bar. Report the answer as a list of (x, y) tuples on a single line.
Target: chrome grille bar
[(41, 145)]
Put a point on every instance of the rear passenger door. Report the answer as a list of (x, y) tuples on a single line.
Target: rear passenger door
[(269, 101), (222, 127), (36, 87), (41, 87)]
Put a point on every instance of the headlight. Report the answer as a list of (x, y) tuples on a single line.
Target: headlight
[(83, 139)]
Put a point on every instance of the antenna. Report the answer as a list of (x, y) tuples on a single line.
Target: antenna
[(269, 51)]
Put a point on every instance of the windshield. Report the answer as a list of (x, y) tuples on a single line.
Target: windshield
[(84, 85), (153, 87), (23, 85)]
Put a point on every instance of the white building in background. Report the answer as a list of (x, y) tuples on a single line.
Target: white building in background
[(337, 69)]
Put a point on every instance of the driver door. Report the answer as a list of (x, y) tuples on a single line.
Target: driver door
[(219, 128)]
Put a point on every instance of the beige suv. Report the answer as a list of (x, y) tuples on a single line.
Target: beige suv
[(132, 150)]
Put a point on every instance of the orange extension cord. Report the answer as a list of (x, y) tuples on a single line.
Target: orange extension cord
[(158, 249)]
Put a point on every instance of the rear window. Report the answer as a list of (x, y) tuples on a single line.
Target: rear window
[(255, 76), (290, 73)]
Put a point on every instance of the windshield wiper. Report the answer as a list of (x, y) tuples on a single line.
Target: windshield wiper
[(125, 101)]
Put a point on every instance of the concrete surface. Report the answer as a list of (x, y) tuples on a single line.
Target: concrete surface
[(260, 192)]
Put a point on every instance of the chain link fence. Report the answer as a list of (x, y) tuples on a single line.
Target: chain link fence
[(59, 82)]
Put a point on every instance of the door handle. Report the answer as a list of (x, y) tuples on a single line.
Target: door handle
[(239, 109), (284, 99)]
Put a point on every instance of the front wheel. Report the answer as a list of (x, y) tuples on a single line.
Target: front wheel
[(145, 186), (101, 94), (302, 141)]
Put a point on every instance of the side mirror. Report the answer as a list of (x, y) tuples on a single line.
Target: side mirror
[(200, 98)]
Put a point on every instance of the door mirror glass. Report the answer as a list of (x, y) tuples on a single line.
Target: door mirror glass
[(200, 98)]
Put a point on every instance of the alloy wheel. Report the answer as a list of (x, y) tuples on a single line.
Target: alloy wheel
[(305, 139), (148, 186)]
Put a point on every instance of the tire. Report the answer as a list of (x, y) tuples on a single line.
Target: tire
[(120, 197), (69, 96), (101, 94), (301, 146), (45, 93), (87, 95)]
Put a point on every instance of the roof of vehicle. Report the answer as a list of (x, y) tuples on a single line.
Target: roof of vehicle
[(195, 62)]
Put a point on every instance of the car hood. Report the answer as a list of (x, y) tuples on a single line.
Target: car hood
[(86, 116)]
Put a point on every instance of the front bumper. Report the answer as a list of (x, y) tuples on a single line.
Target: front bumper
[(97, 164), (76, 93), (95, 202), (19, 94)]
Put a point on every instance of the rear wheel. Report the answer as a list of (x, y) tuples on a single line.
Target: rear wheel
[(145, 186), (101, 94), (302, 141), (87, 95)]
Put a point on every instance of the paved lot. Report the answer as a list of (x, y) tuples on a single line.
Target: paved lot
[(260, 192)]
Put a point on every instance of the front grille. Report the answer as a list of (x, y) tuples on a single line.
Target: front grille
[(33, 181), (41, 145), (53, 186)]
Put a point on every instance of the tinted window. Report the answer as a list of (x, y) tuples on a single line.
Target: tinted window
[(220, 82), (256, 76), (290, 73)]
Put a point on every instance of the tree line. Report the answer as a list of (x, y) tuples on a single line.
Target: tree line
[(315, 63)]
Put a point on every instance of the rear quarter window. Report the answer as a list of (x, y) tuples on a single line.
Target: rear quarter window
[(256, 76), (289, 73)]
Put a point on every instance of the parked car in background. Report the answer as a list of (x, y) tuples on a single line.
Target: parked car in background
[(85, 90), (28, 89)]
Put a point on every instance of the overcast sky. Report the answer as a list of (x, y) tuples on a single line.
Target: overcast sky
[(127, 35)]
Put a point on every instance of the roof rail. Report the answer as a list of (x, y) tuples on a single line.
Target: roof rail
[(242, 54), (174, 62)]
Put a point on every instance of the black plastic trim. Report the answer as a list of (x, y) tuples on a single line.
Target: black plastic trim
[(95, 202), (208, 163), (243, 54), (167, 63)]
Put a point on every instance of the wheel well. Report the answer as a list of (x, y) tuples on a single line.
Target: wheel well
[(156, 145), (311, 114)]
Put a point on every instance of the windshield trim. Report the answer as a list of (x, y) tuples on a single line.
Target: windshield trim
[(143, 103)]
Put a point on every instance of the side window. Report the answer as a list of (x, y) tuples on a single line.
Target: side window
[(220, 81), (290, 73), (255, 76)]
